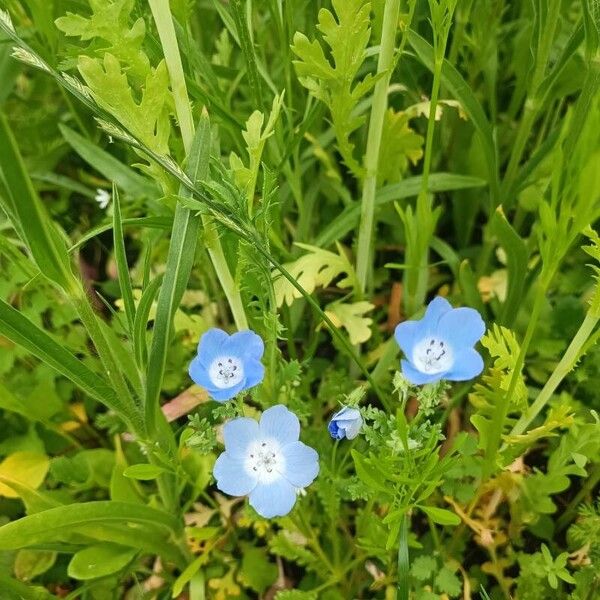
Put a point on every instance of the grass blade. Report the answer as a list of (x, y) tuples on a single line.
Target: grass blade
[(121, 260), (460, 89), (141, 322), (47, 248), (20, 330), (179, 265), (347, 220)]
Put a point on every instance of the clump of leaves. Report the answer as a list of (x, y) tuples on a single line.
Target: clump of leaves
[(333, 81)]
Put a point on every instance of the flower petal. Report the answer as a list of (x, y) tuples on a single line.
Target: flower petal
[(416, 377), (210, 344), (461, 327), (351, 427), (239, 434), (347, 414), (280, 423), (246, 344), (232, 478), (435, 310), (254, 372), (274, 499), (467, 365), (199, 374), (407, 334), (301, 464), (223, 394)]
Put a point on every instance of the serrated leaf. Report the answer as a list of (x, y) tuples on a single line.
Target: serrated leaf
[(147, 119), (316, 268), (109, 22), (332, 80), (423, 567), (447, 582), (352, 318), (399, 146)]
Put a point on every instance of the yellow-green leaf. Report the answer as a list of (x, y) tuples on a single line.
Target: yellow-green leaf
[(29, 468)]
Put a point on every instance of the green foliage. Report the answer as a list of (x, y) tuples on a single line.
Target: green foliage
[(333, 81), (221, 129)]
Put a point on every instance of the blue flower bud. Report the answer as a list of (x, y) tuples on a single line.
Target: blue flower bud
[(346, 423)]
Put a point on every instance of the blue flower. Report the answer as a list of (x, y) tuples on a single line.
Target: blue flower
[(227, 364), (440, 345), (266, 461), (346, 423)]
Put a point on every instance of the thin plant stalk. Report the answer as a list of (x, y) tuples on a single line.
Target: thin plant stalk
[(567, 362), (379, 106), (166, 32)]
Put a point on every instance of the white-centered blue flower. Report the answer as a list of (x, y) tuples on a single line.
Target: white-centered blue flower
[(440, 345), (345, 423), (227, 364), (265, 461)]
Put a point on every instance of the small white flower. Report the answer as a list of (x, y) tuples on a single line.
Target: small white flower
[(102, 198)]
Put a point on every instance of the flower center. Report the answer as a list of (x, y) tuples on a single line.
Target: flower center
[(226, 371), (265, 460), (432, 355)]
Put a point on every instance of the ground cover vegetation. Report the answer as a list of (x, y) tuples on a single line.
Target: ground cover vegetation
[(299, 299)]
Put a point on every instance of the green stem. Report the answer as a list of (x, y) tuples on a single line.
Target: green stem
[(403, 560), (567, 362), (166, 32), (243, 31), (379, 106), (501, 411)]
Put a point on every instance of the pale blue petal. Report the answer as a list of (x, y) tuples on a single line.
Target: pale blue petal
[(347, 414), (273, 500), (351, 427), (407, 334), (467, 365), (301, 464), (224, 394), (435, 310), (199, 374), (210, 345), (280, 423), (254, 372), (231, 476), (461, 327), (245, 344), (417, 377), (239, 434)]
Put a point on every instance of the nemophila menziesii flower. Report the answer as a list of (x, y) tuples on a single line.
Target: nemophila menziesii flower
[(265, 461), (345, 423), (440, 345), (227, 364)]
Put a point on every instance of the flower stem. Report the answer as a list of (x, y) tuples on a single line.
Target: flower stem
[(386, 55)]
